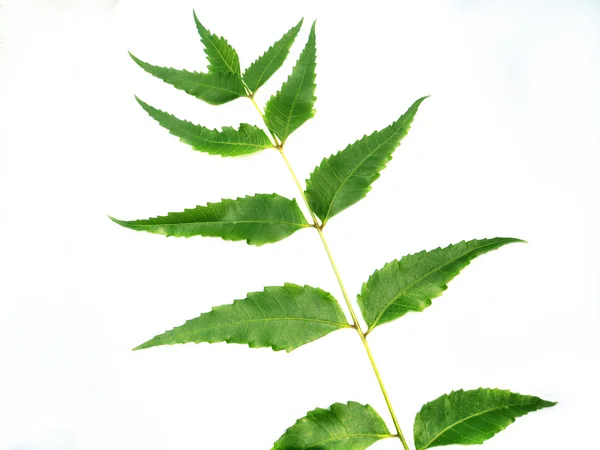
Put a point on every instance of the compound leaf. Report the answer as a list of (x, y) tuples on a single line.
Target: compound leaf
[(409, 284), (293, 105), (346, 177), (470, 417), (267, 64), (215, 88), (281, 317), (227, 142), (260, 219), (350, 426), (222, 57)]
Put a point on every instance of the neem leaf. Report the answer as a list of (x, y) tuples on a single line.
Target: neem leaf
[(261, 219), (346, 177), (281, 317), (350, 426), (221, 56), (227, 142), (470, 417), (215, 88), (271, 60), (409, 284), (293, 104)]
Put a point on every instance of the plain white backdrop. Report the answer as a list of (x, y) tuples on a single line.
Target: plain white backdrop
[(507, 145)]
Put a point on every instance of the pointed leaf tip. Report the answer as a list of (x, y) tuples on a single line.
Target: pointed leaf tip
[(117, 221)]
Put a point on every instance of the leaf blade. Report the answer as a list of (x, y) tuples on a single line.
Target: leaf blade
[(350, 426), (409, 284), (259, 219), (281, 317), (245, 140), (294, 103), (470, 417), (271, 60), (215, 88), (222, 57), (345, 178)]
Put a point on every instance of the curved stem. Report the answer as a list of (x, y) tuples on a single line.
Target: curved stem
[(355, 323)]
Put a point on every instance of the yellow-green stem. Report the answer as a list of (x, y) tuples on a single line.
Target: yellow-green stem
[(355, 322)]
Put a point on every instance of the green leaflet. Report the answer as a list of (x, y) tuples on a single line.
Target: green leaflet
[(293, 104), (221, 56), (259, 220), (271, 60), (346, 177), (470, 417), (349, 426), (215, 88), (412, 282), (280, 317), (227, 142)]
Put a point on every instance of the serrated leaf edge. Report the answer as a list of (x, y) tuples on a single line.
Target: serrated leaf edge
[(329, 409), (252, 344), (313, 111), (547, 404), (298, 26), (259, 147), (443, 287), (376, 175), (142, 63), (201, 28), (128, 224)]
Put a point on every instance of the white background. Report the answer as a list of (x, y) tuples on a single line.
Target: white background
[(507, 145)]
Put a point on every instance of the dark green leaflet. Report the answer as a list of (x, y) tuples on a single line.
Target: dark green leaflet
[(350, 426), (227, 142), (293, 105), (281, 317), (215, 88), (259, 220), (221, 56), (346, 177), (271, 60), (409, 284), (470, 417)]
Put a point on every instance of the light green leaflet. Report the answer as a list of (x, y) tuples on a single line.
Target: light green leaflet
[(280, 317), (412, 282), (470, 417), (215, 88), (227, 142), (271, 60), (350, 426), (259, 220), (346, 177), (294, 103), (221, 56)]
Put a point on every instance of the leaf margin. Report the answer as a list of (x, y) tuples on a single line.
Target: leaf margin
[(361, 296), (419, 445), (323, 295), (136, 225)]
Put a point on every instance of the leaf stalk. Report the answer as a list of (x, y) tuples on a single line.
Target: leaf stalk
[(355, 323)]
